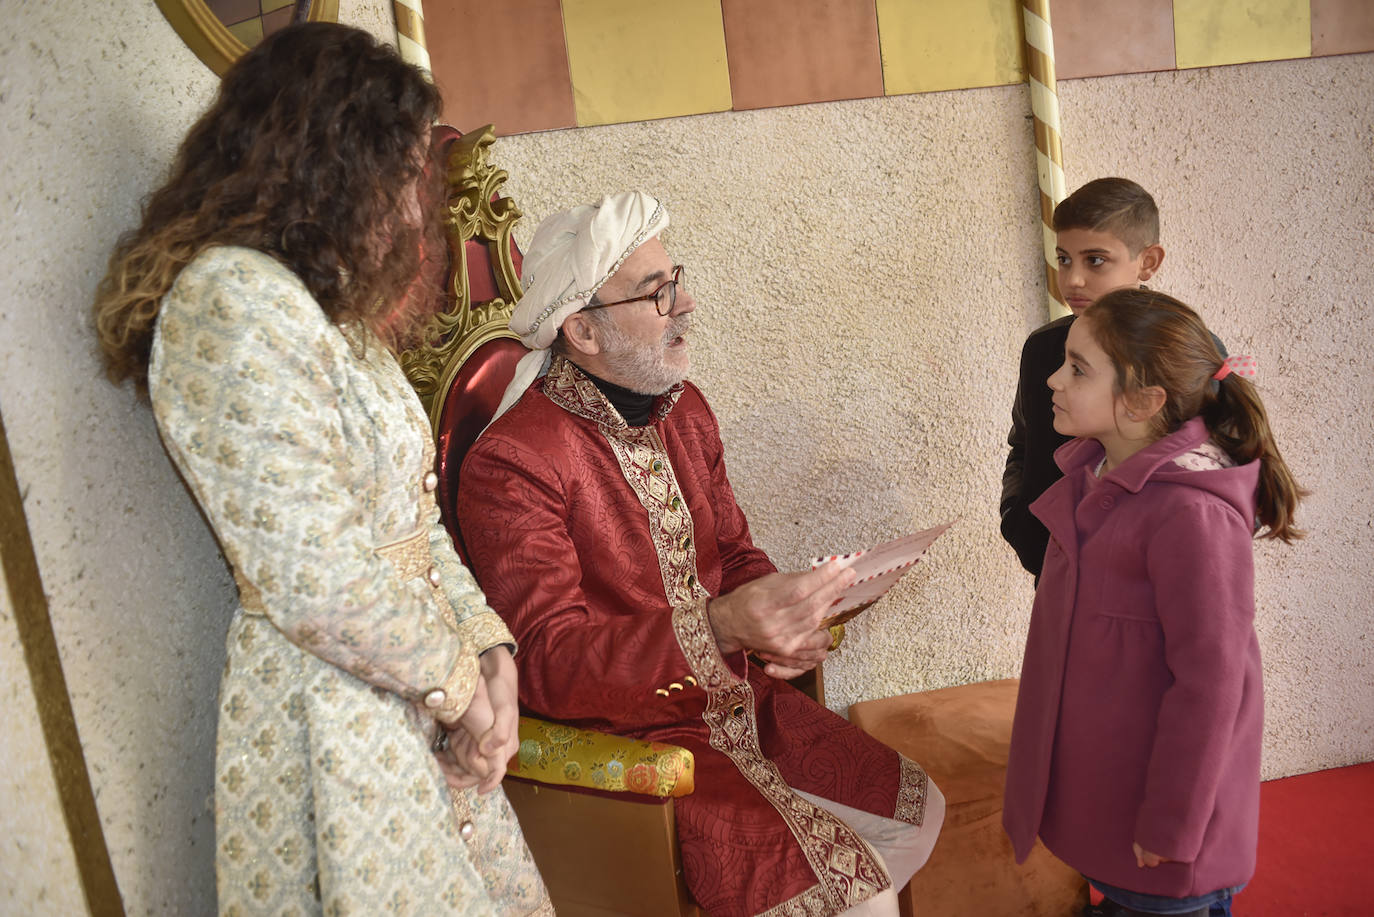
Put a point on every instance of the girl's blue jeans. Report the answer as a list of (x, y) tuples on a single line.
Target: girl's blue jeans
[(1218, 903)]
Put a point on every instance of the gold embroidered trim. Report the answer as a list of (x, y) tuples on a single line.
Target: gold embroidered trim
[(462, 808), (569, 388), (845, 867), (644, 463), (410, 556), (810, 903), (545, 909), (445, 609), (459, 686), (485, 630), (912, 793), (847, 871)]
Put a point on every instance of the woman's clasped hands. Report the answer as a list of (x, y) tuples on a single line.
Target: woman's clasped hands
[(482, 740)]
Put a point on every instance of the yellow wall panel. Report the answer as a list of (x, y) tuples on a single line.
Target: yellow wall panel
[(633, 61), (949, 44), (1208, 33)]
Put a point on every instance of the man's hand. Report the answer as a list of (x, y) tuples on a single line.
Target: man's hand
[(779, 616)]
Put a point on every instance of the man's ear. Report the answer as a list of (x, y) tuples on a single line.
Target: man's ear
[(1151, 257), (580, 335)]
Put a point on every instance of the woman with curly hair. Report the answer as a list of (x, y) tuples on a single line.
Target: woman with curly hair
[(367, 706)]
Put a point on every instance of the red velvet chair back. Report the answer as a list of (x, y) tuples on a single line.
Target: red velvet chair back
[(468, 353), (470, 404)]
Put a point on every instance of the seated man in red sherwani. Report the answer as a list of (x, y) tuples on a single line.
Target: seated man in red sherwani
[(603, 529)]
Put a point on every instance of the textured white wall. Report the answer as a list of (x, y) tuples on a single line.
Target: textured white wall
[(91, 116), (37, 867), (867, 272)]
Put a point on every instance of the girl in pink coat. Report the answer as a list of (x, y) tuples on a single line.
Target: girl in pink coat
[(1135, 751)]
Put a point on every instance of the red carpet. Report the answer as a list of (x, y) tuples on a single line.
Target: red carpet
[(1316, 847)]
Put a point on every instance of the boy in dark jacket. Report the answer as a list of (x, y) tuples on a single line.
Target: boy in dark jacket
[(1106, 238)]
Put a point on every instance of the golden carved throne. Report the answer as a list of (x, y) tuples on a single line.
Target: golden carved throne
[(602, 847)]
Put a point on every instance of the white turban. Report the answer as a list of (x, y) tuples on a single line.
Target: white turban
[(571, 255)]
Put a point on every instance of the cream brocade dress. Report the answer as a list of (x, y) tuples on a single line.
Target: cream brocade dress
[(312, 459)]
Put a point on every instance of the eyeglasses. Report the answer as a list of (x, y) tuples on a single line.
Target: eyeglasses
[(664, 295)]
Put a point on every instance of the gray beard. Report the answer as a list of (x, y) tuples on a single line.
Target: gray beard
[(639, 367)]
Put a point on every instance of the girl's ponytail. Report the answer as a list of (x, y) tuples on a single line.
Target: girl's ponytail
[(1237, 419), (1155, 340)]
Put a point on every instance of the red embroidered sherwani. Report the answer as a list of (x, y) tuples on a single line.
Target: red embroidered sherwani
[(601, 544)]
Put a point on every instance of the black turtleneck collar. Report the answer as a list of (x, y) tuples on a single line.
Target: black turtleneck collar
[(633, 406)]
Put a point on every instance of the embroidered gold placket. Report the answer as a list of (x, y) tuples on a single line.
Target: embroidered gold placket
[(730, 710), (649, 473), (411, 557), (463, 822), (843, 864)]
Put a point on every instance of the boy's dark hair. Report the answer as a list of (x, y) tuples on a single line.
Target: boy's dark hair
[(1115, 205)]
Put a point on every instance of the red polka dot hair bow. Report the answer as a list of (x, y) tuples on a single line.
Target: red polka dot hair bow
[(1240, 364)]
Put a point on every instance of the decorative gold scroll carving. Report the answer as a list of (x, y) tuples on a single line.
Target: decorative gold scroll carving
[(475, 209)]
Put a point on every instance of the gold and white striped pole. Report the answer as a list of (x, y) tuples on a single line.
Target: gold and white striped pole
[(410, 33), (1049, 152)]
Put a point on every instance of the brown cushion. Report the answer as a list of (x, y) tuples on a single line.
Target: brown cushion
[(960, 736)]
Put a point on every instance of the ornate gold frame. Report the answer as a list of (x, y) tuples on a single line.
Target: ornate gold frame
[(475, 210), (213, 43)]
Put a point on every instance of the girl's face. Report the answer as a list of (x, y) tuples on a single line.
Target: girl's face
[(1086, 402)]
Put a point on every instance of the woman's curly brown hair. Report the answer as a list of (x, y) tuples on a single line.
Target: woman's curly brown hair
[(313, 152)]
